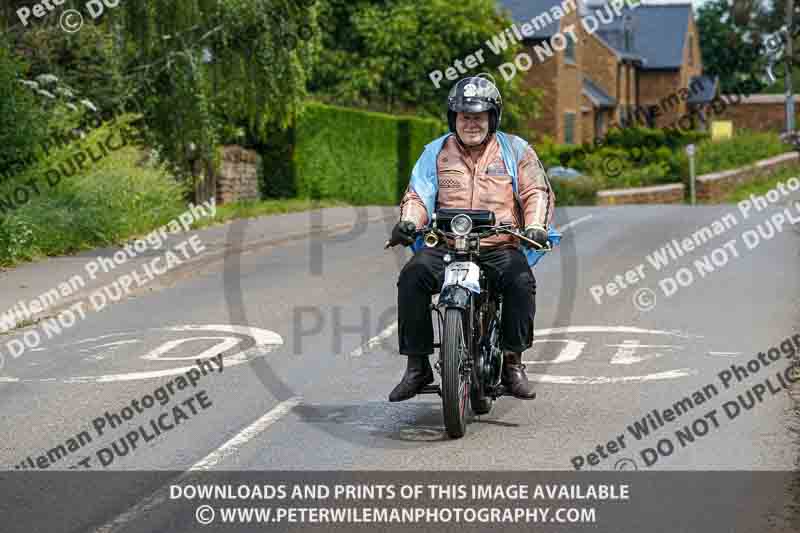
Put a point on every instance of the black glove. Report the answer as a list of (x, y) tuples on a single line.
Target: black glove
[(403, 233), (537, 234)]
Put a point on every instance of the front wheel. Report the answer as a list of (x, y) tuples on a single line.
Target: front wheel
[(455, 381)]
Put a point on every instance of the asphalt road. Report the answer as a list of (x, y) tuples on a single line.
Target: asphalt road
[(308, 333)]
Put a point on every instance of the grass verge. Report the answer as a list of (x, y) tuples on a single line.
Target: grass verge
[(761, 185), (260, 208)]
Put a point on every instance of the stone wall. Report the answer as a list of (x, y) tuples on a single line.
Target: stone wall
[(237, 178), (657, 194), (709, 187), (759, 112), (717, 185)]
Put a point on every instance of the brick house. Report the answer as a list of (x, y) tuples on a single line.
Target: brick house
[(641, 64)]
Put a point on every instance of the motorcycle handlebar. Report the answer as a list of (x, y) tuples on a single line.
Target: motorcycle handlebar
[(493, 231)]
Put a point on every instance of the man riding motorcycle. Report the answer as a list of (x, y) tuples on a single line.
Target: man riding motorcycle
[(471, 174)]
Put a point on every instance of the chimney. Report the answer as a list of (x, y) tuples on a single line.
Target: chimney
[(627, 32)]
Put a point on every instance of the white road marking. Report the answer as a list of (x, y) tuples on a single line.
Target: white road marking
[(261, 336), (247, 434), (602, 380), (573, 223), (224, 344), (725, 354), (605, 329), (626, 354), (265, 342), (374, 341), (161, 495), (229, 361), (570, 352), (101, 337), (118, 343)]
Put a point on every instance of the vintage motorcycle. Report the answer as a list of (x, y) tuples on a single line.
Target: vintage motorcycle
[(469, 312)]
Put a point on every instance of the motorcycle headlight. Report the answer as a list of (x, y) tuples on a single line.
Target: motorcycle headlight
[(461, 225)]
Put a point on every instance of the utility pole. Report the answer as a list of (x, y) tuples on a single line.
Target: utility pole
[(789, 69)]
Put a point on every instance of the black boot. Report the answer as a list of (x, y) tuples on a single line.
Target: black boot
[(514, 377), (418, 374)]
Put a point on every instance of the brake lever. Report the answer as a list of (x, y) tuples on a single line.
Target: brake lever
[(536, 245), (388, 244)]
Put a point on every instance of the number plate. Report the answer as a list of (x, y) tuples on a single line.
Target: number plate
[(465, 274)]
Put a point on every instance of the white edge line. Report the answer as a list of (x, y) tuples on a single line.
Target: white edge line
[(161, 495), (251, 431), (575, 222), (374, 341), (600, 380)]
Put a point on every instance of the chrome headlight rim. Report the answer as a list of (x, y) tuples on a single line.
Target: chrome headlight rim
[(461, 225)]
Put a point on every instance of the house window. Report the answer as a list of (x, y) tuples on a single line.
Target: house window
[(651, 116), (569, 51), (569, 128), (598, 123)]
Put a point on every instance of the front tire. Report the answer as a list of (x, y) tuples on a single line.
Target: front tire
[(455, 384)]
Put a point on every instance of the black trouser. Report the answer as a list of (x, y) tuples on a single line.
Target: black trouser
[(423, 276)]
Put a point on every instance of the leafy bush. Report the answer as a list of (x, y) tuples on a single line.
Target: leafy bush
[(742, 149), (86, 62), (107, 203), (638, 157), (652, 174), (578, 191), (629, 148), (24, 124)]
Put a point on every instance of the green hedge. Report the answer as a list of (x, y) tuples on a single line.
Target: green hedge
[(346, 154)]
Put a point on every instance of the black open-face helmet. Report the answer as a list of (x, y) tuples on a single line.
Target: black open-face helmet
[(475, 95)]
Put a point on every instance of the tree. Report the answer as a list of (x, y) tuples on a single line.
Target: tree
[(207, 65), (379, 54), (200, 71), (730, 48)]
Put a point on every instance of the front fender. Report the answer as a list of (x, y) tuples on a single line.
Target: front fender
[(454, 296)]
